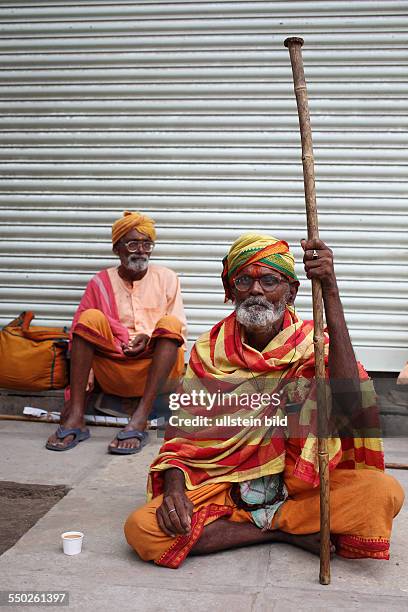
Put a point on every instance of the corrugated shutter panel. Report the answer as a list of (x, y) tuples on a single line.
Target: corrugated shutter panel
[(186, 111)]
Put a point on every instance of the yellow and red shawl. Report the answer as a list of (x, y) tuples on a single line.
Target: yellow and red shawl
[(220, 359)]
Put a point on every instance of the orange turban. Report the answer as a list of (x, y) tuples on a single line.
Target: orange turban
[(133, 221)]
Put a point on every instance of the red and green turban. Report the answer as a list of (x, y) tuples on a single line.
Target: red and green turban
[(257, 249)]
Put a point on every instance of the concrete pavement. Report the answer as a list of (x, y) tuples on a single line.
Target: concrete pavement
[(107, 575)]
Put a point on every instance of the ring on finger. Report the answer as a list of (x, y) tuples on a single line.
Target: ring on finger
[(173, 510), (315, 254)]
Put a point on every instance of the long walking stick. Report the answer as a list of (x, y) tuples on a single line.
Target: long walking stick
[(294, 45)]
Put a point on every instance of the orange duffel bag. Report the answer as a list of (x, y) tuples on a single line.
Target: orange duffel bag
[(33, 358)]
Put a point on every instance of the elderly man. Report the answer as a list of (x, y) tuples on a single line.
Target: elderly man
[(218, 487), (128, 332)]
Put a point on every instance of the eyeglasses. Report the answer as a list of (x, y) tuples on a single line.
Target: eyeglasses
[(134, 245), (269, 282)]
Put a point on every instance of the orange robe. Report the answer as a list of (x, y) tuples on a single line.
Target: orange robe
[(363, 504), (363, 501), (121, 375)]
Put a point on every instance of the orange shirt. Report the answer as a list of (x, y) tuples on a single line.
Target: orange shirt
[(142, 303)]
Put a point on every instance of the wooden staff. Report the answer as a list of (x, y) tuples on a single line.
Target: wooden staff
[(396, 466), (45, 419), (294, 45)]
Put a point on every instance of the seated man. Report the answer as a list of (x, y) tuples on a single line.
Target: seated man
[(128, 331), (221, 486)]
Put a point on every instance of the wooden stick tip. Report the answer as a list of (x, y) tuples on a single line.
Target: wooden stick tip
[(293, 40)]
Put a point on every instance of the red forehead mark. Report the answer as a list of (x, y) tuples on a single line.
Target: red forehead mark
[(257, 270)]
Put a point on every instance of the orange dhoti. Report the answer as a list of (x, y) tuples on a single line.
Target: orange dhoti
[(363, 504), (118, 374)]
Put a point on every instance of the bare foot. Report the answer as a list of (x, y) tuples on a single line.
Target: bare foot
[(310, 542)]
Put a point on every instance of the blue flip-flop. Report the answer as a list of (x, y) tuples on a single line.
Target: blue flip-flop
[(79, 436), (142, 436)]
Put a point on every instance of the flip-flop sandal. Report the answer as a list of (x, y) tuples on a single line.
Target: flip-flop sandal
[(142, 436), (79, 436)]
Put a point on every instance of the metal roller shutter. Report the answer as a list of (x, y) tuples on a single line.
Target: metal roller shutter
[(186, 111)]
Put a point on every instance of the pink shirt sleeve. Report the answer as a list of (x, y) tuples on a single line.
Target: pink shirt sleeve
[(175, 302)]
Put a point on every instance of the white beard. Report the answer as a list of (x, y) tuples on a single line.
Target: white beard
[(136, 263), (257, 314)]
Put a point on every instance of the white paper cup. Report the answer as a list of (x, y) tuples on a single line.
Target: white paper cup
[(72, 542)]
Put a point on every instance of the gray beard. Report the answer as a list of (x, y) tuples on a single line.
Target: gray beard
[(136, 263), (257, 314)]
